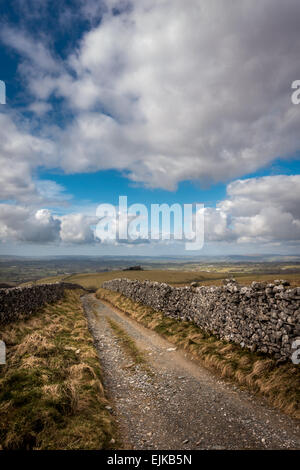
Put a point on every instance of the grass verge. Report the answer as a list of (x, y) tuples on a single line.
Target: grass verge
[(51, 392), (130, 347), (278, 383), (127, 342)]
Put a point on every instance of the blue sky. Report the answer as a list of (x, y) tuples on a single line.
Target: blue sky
[(101, 186), (160, 102)]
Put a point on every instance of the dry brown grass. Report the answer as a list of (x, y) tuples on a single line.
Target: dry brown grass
[(278, 383), (127, 342), (51, 392), (173, 277)]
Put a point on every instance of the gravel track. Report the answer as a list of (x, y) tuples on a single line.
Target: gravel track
[(179, 405)]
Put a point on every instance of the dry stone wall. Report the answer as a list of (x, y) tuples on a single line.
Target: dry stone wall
[(19, 302), (261, 317)]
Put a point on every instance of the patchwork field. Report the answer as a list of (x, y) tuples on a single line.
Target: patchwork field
[(15, 271)]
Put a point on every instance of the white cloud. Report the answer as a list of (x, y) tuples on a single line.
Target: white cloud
[(30, 49), (24, 224), (194, 92), (76, 228), (51, 192), (257, 210), (170, 90), (20, 224), (281, 191), (20, 153), (165, 91), (39, 107)]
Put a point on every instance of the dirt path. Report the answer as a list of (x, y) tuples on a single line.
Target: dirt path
[(180, 405)]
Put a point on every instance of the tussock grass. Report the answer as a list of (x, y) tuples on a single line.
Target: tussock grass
[(130, 348), (127, 342), (51, 392), (278, 383)]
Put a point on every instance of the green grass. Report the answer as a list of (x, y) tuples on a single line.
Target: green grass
[(261, 374), (51, 392), (127, 342)]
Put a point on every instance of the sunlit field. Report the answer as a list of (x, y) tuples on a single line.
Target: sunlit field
[(173, 277)]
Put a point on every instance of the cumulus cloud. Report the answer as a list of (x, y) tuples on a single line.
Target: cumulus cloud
[(20, 153), (22, 224), (257, 210), (164, 91), (170, 90), (76, 228), (30, 49)]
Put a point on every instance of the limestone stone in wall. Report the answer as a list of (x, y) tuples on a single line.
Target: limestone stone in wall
[(19, 302), (262, 317)]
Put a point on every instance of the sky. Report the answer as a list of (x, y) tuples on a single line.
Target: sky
[(162, 101)]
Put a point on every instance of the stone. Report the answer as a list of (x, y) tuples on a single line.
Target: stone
[(262, 317), (21, 302)]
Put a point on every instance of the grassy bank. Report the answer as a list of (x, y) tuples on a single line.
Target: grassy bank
[(51, 393), (278, 383)]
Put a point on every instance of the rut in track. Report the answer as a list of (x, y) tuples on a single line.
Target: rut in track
[(170, 402)]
